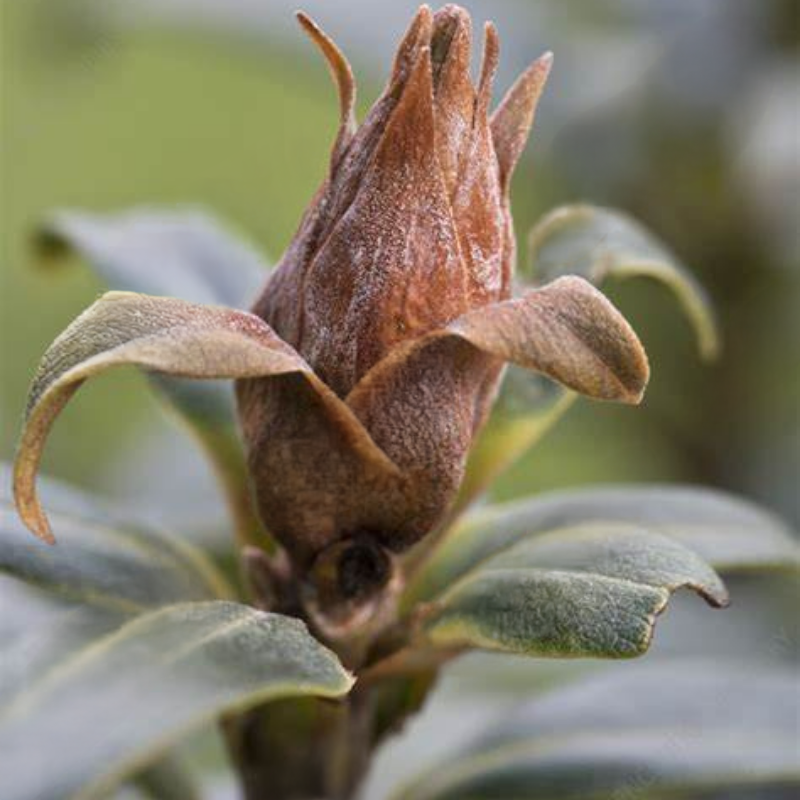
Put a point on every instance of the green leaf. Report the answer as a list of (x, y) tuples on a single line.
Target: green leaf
[(101, 560), (598, 244), (54, 601), (729, 533), (547, 613), (644, 732), (185, 254), (113, 707), (592, 591), (181, 253)]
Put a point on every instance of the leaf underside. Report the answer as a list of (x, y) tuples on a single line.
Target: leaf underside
[(113, 707), (674, 729), (167, 336)]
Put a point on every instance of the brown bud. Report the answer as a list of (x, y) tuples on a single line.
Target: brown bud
[(408, 231), (396, 292)]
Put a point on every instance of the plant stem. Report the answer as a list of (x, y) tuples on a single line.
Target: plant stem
[(306, 749)]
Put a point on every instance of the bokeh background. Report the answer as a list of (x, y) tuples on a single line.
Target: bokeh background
[(683, 113)]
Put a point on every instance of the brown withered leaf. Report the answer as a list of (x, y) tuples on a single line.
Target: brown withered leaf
[(396, 247), (182, 339), (419, 404), (567, 330)]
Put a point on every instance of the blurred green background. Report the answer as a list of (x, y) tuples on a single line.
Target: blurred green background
[(684, 114)]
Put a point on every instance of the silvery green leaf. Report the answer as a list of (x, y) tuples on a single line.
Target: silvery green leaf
[(589, 591), (113, 707), (729, 533), (650, 730), (182, 252), (53, 601)]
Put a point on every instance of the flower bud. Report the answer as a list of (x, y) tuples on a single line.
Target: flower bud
[(396, 294), (409, 231)]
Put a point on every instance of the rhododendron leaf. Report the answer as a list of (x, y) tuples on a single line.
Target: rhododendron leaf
[(729, 533), (56, 603), (680, 729), (181, 339), (119, 564), (182, 253), (115, 706), (105, 571), (598, 244), (592, 591)]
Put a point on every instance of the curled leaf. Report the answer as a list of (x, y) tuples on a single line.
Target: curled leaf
[(601, 243), (566, 330), (420, 403), (177, 338), (594, 590), (177, 252), (597, 244), (569, 332)]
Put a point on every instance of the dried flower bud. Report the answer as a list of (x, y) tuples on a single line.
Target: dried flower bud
[(374, 352), (407, 244), (408, 232)]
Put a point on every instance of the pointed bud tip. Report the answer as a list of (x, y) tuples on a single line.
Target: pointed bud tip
[(539, 70)]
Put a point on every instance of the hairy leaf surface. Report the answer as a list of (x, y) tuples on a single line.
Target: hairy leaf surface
[(176, 338), (591, 591), (113, 707), (182, 253), (651, 730), (729, 533)]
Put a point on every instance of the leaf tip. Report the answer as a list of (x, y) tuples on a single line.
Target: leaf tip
[(716, 596), (30, 511)]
